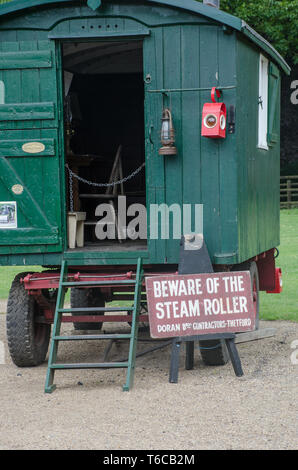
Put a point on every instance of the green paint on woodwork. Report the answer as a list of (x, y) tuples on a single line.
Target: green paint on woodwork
[(237, 183), (25, 60), (94, 4), (196, 8), (26, 111), (2, 92)]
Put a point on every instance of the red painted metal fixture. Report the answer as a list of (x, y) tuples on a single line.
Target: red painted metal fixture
[(278, 282), (214, 119)]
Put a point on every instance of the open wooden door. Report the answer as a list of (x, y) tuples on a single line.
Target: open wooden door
[(30, 185)]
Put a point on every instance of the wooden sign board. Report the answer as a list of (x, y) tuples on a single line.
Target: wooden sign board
[(199, 304)]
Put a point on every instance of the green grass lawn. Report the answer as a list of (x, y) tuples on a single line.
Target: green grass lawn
[(272, 306), (284, 306), (7, 274)]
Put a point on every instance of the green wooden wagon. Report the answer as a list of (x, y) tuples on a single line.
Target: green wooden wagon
[(85, 90)]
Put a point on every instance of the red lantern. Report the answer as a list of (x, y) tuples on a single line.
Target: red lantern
[(214, 119)]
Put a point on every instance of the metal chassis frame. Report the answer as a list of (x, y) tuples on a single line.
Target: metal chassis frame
[(36, 283)]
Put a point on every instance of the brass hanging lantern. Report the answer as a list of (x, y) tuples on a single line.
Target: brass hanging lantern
[(167, 134)]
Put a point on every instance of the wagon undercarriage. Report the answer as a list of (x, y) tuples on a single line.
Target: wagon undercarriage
[(37, 300), (39, 285)]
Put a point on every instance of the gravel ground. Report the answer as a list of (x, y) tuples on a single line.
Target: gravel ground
[(210, 408)]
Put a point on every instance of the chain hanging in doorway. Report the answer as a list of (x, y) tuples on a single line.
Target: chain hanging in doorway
[(98, 185)]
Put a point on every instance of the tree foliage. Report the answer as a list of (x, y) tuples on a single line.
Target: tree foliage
[(275, 20)]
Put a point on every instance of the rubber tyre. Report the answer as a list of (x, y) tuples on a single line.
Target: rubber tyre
[(214, 352), (218, 354), (143, 326), (28, 341), (86, 298)]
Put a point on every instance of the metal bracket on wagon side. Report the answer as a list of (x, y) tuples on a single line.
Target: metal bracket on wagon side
[(94, 4)]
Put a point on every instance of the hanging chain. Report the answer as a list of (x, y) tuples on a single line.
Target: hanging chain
[(98, 185), (70, 192)]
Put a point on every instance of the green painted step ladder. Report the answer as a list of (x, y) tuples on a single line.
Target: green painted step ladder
[(132, 337)]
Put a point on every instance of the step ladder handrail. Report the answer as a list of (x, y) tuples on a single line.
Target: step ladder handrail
[(49, 387), (134, 327)]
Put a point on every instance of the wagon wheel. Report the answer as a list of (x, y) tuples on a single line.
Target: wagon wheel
[(214, 352), (28, 340), (143, 326), (86, 298), (251, 266)]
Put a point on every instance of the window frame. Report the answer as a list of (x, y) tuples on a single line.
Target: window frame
[(263, 103)]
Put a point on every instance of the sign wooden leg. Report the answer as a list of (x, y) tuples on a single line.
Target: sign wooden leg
[(174, 368), (189, 360), (235, 359)]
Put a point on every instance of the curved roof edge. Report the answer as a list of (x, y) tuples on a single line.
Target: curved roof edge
[(188, 5), (266, 46)]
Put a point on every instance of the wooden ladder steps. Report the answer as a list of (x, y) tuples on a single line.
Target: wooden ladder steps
[(53, 365)]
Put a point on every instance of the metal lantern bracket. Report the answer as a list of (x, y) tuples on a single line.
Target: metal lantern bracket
[(165, 91), (94, 4)]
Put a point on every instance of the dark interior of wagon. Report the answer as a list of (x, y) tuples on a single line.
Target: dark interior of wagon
[(104, 140)]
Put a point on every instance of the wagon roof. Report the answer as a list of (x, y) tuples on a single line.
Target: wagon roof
[(10, 6)]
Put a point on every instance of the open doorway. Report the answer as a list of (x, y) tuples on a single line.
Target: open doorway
[(104, 141)]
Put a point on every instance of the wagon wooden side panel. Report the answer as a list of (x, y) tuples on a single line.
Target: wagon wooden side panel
[(258, 168)]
